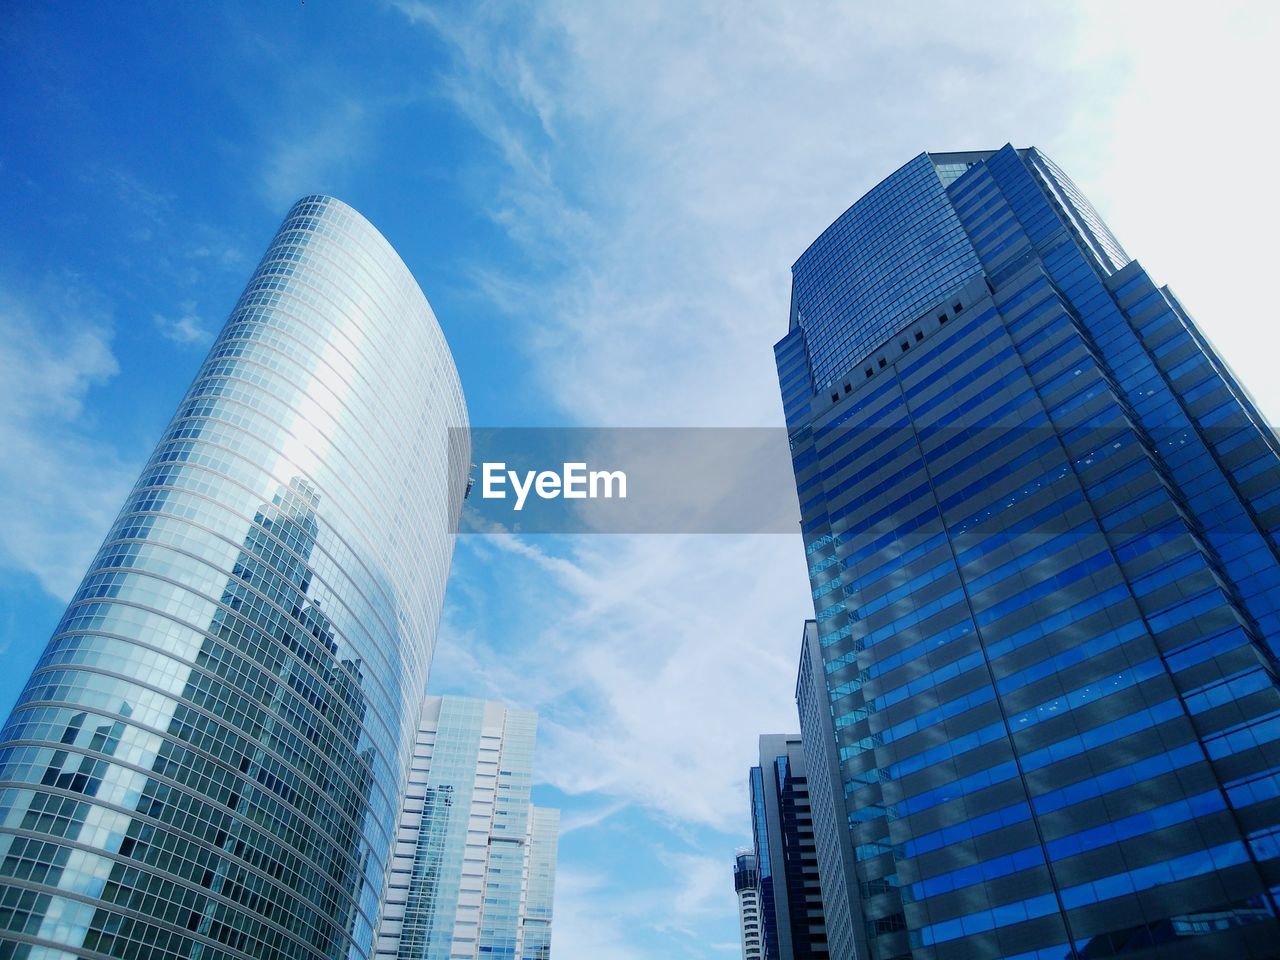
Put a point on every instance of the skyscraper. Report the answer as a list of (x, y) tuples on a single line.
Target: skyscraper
[(474, 871), (746, 884), (208, 758), (833, 848), (1041, 521), (538, 890), (791, 919)]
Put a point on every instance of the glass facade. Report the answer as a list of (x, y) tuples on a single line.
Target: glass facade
[(474, 871), (886, 258), (760, 835), (832, 847), (1042, 526), (791, 915), (208, 757), (539, 887)]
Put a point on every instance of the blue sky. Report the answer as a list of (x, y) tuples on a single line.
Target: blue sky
[(601, 202)]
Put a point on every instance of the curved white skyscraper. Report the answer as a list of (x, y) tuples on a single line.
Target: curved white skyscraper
[(208, 759)]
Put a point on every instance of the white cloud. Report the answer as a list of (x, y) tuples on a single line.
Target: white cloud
[(597, 915), (1182, 168), (588, 922), (654, 661), (186, 328), (572, 821), (702, 888), (63, 479)]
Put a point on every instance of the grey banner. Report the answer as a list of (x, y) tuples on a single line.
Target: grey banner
[(630, 480)]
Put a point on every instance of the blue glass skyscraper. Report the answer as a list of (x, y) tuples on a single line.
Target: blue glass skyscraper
[(1042, 526), (790, 897)]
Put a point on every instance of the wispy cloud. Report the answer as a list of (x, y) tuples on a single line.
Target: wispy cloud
[(651, 674), (573, 821), (62, 479), (602, 915), (701, 888), (223, 254), (140, 198), (591, 921), (314, 151), (186, 327), (690, 156)]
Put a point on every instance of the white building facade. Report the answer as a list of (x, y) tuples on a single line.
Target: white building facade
[(473, 870), (746, 881)]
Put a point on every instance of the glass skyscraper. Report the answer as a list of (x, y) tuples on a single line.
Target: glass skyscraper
[(1042, 524), (473, 876), (833, 850), (208, 759), (790, 900), (538, 890)]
